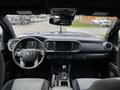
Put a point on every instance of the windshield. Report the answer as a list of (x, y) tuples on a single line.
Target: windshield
[(82, 26)]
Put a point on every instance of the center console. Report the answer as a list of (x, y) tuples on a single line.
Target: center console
[(62, 80), (62, 88)]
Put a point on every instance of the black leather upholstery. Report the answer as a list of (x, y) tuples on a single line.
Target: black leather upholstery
[(45, 85), (27, 84), (75, 85), (8, 85), (2, 71), (99, 84), (118, 61)]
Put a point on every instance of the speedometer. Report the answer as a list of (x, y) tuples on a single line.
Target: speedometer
[(31, 44)]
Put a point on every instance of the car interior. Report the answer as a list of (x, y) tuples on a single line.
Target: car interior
[(56, 56)]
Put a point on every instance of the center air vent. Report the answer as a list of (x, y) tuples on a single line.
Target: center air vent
[(75, 46), (50, 45), (62, 46)]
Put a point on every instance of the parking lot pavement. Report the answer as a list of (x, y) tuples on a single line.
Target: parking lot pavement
[(35, 27), (92, 31)]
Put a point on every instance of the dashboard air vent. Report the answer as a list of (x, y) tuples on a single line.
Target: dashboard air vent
[(108, 45)]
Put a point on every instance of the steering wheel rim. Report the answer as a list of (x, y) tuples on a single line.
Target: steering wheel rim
[(40, 61)]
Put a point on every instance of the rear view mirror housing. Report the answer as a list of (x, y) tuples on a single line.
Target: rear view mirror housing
[(62, 16), (61, 20)]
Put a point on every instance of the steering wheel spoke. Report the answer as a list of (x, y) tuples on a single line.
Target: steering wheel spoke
[(41, 52), (36, 62), (22, 64), (18, 53)]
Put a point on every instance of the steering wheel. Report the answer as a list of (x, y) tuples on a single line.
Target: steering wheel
[(26, 56)]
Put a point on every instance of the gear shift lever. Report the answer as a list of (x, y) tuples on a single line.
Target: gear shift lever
[(64, 68), (64, 73)]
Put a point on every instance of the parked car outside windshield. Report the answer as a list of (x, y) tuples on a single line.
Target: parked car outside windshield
[(102, 21)]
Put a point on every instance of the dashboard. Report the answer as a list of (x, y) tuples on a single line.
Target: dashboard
[(68, 49)]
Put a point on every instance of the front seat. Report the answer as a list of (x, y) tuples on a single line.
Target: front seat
[(2, 71), (27, 84), (98, 84)]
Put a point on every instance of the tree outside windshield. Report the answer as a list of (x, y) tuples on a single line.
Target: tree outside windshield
[(36, 24)]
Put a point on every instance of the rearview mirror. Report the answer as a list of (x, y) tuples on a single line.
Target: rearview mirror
[(61, 20)]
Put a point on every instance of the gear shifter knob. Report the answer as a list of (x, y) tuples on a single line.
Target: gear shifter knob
[(64, 68)]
